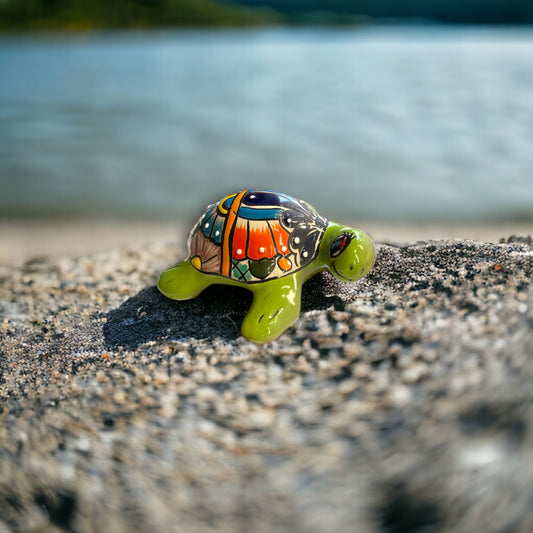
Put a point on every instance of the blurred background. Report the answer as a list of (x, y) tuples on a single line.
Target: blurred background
[(120, 121)]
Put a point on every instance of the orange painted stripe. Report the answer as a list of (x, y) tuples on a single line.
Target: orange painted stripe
[(240, 238), (227, 234), (281, 237)]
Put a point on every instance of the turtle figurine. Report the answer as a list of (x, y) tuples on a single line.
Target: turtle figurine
[(269, 243)]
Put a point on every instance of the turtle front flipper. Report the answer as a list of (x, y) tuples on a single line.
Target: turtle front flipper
[(182, 281), (275, 307)]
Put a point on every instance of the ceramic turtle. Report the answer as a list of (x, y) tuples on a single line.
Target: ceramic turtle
[(269, 243)]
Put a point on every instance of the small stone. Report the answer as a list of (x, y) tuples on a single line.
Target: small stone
[(83, 444), (342, 328), (169, 405), (290, 350), (339, 316), (307, 413), (206, 394), (414, 373), (185, 387), (75, 389), (348, 386), (399, 395), (352, 350), (328, 342), (361, 370), (161, 377), (119, 396), (260, 419), (302, 365)]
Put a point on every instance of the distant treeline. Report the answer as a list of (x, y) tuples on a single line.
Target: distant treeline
[(447, 11), (95, 14)]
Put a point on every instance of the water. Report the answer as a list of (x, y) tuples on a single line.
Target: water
[(391, 124)]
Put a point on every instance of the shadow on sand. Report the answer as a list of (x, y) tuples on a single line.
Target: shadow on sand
[(217, 312)]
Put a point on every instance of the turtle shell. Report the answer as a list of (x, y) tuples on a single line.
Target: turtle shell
[(254, 236)]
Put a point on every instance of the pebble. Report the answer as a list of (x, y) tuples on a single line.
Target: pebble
[(399, 395), (352, 350), (261, 419), (206, 394), (414, 373), (361, 370)]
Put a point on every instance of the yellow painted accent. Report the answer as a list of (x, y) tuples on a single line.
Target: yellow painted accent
[(196, 262), (220, 208)]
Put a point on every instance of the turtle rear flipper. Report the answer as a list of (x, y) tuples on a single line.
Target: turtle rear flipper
[(276, 306)]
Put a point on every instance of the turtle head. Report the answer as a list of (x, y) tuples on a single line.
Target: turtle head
[(351, 252)]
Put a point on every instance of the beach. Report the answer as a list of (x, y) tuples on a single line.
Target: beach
[(401, 402), (23, 239)]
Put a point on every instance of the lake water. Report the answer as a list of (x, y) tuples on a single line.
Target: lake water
[(391, 124)]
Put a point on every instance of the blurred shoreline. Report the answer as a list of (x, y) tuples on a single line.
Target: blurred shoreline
[(23, 240), (158, 125)]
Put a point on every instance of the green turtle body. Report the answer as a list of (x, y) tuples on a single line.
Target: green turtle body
[(270, 243)]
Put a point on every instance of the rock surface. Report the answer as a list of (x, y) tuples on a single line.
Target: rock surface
[(403, 402)]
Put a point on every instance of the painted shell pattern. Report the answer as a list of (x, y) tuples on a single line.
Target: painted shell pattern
[(254, 236)]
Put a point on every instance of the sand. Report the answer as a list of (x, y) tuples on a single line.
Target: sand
[(403, 402)]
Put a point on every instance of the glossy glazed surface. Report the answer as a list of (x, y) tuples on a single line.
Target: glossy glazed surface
[(271, 244)]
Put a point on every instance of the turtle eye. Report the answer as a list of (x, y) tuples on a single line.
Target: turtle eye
[(340, 244)]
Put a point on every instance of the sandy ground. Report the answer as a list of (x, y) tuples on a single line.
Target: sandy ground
[(21, 240), (403, 402)]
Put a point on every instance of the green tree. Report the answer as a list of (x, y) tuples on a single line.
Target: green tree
[(94, 14)]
